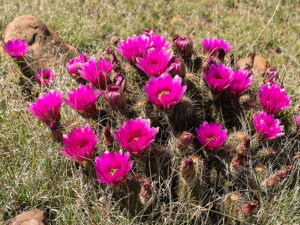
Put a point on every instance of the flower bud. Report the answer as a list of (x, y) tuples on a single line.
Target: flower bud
[(115, 96), (184, 46), (146, 192), (185, 140), (206, 65), (188, 171), (178, 67)]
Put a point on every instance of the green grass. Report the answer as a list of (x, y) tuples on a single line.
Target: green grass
[(32, 172)]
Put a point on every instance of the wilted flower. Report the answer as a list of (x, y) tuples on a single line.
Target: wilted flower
[(47, 107), (241, 80), (16, 48), (44, 77), (115, 96), (273, 99), (133, 47), (213, 46), (83, 100), (136, 135), (73, 65), (270, 76), (211, 135), (177, 67), (207, 64), (164, 91), (97, 72), (248, 208), (185, 140), (80, 144), (279, 176), (238, 161), (112, 167), (155, 62), (108, 138), (266, 126), (184, 46), (146, 192), (218, 77)]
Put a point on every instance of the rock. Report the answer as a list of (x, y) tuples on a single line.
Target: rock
[(260, 63), (46, 48), (31, 217)]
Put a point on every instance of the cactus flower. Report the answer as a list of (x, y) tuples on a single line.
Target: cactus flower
[(211, 136), (45, 77), (16, 48), (80, 144), (213, 46), (241, 80), (218, 77), (266, 126), (136, 135), (112, 167), (47, 107), (164, 91), (73, 65), (273, 98), (83, 100)]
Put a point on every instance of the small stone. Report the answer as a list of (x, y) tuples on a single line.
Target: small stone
[(31, 217), (260, 64)]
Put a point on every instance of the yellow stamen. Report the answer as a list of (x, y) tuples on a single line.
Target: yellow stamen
[(162, 93), (112, 171)]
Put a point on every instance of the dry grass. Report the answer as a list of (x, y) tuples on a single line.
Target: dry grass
[(34, 175)]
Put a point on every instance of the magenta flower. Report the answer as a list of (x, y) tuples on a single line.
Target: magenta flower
[(115, 96), (157, 42), (211, 136), (45, 77), (73, 65), (177, 67), (266, 126), (218, 77), (241, 80), (184, 46), (112, 167), (136, 135), (297, 120), (80, 144), (273, 99), (164, 91), (155, 62), (83, 100), (133, 47), (16, 48), (213, 46), (47, 107), (97, 72)]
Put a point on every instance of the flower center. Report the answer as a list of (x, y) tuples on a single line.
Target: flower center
[(113, 171), (162, 93), (208, 139), (136, 138)]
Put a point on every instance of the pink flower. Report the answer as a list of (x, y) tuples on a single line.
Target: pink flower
[(80, 144), (73, 65), (177, 67), (214, 45), (211, 136), (184, 46), (97, 72), (241, 80), (273, 99), (136, 135), (112, 167), (157, 42), (45, 77), (164, 91), (134, 47), (155, 62), (218, 77), (16, 48), (47, 107), (115, 96), (297, 120), (266, 126), (83, 100)]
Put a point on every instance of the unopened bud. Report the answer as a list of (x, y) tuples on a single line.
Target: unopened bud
[(185, 140), (178, 67), (184, 46)]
